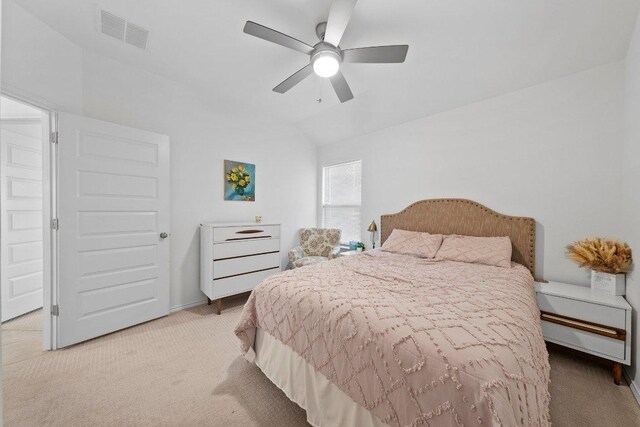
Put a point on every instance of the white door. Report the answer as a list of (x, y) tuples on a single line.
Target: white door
[(112, 207), (22, 220)]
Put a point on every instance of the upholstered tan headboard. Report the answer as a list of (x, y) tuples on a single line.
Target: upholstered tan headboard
[(469, 218)]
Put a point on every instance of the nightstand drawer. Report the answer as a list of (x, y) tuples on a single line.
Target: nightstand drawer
[(582, 340), (594, 313)]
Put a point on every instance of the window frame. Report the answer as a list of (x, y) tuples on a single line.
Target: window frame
[(323, 204)]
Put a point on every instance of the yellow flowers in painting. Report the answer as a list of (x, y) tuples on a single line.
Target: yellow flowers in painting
[(238, 177), (604, 255)]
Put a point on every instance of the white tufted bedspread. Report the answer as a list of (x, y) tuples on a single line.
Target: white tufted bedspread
[(415, 341)]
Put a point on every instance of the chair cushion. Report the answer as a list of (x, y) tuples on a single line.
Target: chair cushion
[(308, 260), (319, 241)]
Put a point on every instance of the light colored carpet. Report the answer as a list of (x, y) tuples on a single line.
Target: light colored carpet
[(185, 369)]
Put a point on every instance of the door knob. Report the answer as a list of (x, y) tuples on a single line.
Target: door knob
[(163, 235)]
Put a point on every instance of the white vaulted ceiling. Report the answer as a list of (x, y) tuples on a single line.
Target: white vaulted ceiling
[(461, 51)]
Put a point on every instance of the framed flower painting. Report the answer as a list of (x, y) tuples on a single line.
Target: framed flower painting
[(239, 181)]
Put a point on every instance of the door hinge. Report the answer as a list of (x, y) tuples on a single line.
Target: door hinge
[(54, 224), (55, 310), (54, 137)]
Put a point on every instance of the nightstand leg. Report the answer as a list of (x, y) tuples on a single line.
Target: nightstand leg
[(219, 306), (208, 301), (617, 373)]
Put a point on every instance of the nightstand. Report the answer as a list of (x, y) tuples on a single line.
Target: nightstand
[(586, 320)]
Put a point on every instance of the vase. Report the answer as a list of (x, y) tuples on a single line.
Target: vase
[(240, 191), (612, 284)]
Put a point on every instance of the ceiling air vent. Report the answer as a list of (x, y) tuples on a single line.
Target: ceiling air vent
[(112, 25), (122, 30), (136, 36)]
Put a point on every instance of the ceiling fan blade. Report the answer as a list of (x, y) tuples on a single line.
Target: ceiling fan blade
[(376, 54), (276, 37), (341, 87), (294, 79), (339, 15)]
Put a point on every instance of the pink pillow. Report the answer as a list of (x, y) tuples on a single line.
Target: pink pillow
[(479, 250), (423, 245)]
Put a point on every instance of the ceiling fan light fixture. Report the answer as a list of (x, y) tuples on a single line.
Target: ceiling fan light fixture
[(326, 64)]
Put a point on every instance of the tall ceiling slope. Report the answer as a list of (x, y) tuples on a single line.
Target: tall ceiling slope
[(461, 51)]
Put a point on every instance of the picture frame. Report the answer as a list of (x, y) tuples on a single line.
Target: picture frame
[(239, 181)]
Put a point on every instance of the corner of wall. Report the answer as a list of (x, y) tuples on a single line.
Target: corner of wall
[(631, 187)]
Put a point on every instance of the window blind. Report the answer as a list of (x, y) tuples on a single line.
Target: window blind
[(341, 199)]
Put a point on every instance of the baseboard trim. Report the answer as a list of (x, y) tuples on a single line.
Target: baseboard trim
[(185, 306), (632, 386)]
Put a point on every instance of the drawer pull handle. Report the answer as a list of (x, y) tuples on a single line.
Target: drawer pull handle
[(582, 325), (244, 274), (249, 231), (246, 256), (247, 238)]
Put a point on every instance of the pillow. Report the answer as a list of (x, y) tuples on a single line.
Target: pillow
[(479, 250), (423, 245)]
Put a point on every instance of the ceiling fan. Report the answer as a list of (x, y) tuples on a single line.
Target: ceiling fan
[(326, 56)]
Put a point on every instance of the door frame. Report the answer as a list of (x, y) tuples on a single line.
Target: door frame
[(49, 239)]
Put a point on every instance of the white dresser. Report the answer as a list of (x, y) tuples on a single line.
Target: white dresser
[(235, 257), (587, 320)]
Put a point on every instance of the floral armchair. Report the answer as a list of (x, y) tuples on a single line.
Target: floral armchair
[(316, 245)]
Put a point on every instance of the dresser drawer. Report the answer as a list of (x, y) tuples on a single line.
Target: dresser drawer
[(234, 234), (582, 340), (238, 284), (594, 313), (233, 266), (244, 248)]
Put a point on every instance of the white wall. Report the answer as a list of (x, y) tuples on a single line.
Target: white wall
[(551, 152), (201, 138), (631, 189), (38, 63)]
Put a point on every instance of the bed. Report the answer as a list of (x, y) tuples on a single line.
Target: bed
[(389, 339)]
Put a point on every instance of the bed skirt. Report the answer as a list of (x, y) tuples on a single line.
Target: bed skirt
[(325, 403)]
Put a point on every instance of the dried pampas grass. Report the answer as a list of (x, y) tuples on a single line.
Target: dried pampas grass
[(605, 255)]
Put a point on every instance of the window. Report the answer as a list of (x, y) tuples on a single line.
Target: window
[(341, 196)]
